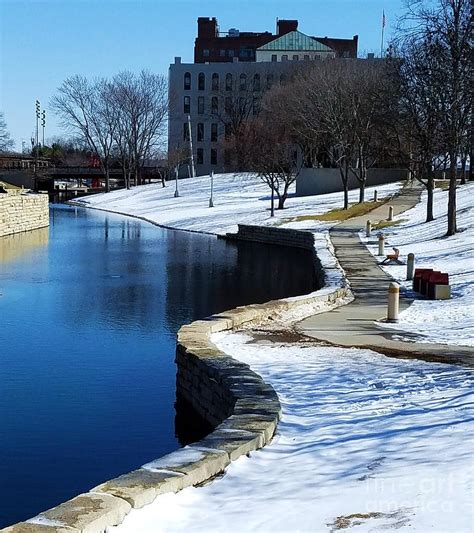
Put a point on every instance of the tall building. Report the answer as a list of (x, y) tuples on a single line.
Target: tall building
[(233, 68)]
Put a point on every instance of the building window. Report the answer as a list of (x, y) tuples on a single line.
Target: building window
[(200, 105), (228, 130), (200, 132), (228, 104), (213, 156), (187, 105), (284, 57), (200, 156), (230, 53), (214, 105), (269, 81), (274, 57), (256, 82), (214, 132), (215, 82), (306, 57), (345, 54), (282, 79), (243, 82), (296, 57), (201, 81), (185, 132), (205, 52), (242, 104), (228, 82), (317, 56), (187, 81), (222, 53)]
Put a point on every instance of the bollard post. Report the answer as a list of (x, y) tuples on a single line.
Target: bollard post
[(375, 195), (390, 213), (410, 266), (393, 302), (381, 244), (368, 229)]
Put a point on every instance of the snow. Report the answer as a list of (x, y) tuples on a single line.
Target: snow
[(365, 441), (437, 321), (239, 198)]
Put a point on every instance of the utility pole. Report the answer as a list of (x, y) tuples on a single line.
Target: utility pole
[(38, 107)]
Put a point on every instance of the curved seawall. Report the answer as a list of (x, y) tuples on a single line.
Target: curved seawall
[(241, 407)]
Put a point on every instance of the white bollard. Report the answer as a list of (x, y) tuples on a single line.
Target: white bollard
[(410, 266), (393, 302), (381, 245), (375, 195), (368, 229), (390, 213)]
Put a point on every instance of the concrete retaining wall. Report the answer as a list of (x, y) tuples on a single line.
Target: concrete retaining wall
[(311, 181), (225, 391), (23, 212)]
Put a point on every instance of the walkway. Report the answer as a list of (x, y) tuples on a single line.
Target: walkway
[(354, 324)]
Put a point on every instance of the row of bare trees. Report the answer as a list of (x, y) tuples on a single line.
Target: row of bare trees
[(413, 109), (122, 118)]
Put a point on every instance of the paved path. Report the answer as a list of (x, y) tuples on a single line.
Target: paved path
[(353, 324)]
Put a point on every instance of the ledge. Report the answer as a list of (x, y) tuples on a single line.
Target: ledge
[(242, 408)]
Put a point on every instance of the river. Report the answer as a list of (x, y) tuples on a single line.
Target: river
[(89, 311)]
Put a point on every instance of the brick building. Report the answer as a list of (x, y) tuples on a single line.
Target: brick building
[(228, 64)]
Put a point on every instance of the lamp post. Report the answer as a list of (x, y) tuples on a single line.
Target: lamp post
[(43, 122), (36, 146), (176, 191), (211, 202)]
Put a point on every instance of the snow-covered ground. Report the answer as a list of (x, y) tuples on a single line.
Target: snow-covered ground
[(238, 198), (366, 443), (442, 321)]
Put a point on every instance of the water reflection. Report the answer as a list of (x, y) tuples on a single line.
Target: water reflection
[(12, 247), (89, 320)]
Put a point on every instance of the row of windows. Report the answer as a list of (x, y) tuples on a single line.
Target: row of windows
[(200, 156), (244, 52), (242, 104), (243, 83), (200, 131)]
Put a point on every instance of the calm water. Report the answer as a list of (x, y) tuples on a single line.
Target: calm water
[(89, 311)]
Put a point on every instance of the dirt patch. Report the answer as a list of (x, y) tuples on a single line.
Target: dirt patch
[(395, 520)]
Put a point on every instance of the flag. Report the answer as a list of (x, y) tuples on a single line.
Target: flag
[(383, 19)]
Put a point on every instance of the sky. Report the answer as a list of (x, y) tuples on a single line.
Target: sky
[(42, 42)]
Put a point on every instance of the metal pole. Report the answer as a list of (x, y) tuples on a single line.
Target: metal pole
[(191, 156), (211, 202), (36, 147), (43, 122), (176, 192)]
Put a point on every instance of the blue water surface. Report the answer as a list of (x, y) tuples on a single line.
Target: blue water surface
[(89, 311)]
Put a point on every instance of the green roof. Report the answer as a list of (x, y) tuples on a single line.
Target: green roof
[(296, 41)]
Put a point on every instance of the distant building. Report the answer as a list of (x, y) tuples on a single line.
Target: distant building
[(229, 63)]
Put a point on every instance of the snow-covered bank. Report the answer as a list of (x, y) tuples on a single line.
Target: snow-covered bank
[(448, 321), (366, 442), (238, 199)]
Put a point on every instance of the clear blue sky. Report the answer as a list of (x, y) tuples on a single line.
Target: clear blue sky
[(45, 41)]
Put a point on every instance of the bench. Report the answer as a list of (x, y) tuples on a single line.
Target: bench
[(417, 277), (392, 257)]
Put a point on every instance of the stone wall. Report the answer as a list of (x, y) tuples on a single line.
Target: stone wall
[(243, 409), (311, 181), (23, 212)]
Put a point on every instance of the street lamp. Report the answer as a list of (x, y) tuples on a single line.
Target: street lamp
[(176, 192), (38, 108), (43, 122), (211, 203)]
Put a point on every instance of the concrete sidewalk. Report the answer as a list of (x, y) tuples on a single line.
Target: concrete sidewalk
[(353, 325)]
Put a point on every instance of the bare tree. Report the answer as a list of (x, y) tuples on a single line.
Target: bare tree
[(6, 142), (445, 26), (141, 103), (85, 109)]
